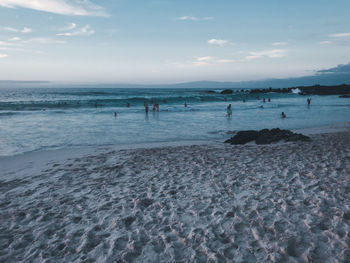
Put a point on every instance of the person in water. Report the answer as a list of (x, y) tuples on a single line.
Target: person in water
[(146, 107), (127, 104), (283, 115), (308, 101), (185, 105), (229, 110), (269, 100), (115, 115)]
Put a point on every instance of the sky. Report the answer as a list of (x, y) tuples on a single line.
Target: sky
[(170, 41)]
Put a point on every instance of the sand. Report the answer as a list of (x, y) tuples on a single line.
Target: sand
[(288, 202)]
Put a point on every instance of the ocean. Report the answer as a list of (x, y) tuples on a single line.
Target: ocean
[(37, 118)]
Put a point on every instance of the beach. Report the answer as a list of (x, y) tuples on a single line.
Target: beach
[(285, 202)]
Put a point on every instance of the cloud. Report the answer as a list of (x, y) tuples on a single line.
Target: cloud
[(16, 30), (280, 44), (340, 35), (203, 61), (3, 56), (43, 40), (340, 69), (84, 31), (15, 39), (26, 30), (326, 42), (62, 7), (194, 18), (9, 29), (275, 53), (70, 26), (219, 42)]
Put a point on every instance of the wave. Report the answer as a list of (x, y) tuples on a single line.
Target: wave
[(111, 102)]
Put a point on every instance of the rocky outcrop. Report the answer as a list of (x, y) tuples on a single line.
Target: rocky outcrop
[(325, 90), (284, 90), (266, 136), (343, 89), (226, 91)]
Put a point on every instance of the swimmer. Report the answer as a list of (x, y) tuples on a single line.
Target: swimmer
[(308, 101), (185, 105), (229, 110), (146, 107), (127, 104), (269, 100), (115, 115), (283, 115)]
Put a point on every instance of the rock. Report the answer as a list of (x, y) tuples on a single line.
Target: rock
[(210, 91), (266, 136), (343, 89), (243, 137), (226, 91)]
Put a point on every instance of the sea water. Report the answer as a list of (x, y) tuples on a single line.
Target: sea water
[(35, 118)]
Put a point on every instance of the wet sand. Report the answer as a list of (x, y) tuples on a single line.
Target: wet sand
[(288, 202)]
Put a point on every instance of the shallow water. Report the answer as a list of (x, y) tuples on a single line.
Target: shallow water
[(54, 117)]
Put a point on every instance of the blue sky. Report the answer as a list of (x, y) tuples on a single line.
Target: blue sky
[(168, 41)]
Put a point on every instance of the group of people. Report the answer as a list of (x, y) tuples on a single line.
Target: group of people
[(283, 115)]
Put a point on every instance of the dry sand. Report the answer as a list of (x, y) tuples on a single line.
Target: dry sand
[(288, 202)]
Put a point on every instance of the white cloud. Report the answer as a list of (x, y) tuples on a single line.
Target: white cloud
[(26, 30), (43, 40), (11, 29), (275, 53), (280, 44), (326, 42), (187, 18), (219, 42), (84, 31), (62, 7), (203, 61), (194, 18), (340, 35), (70, 26), (15, 39), (3, 55)]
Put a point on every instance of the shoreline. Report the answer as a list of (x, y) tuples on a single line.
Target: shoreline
[(282, 202), (39, 157)]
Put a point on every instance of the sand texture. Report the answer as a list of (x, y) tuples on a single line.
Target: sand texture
[(288, 202)]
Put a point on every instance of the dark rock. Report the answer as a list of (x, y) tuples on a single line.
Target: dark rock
[(226, 91), (343, 89), (243, 137), (210, 91), (266, 136)]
